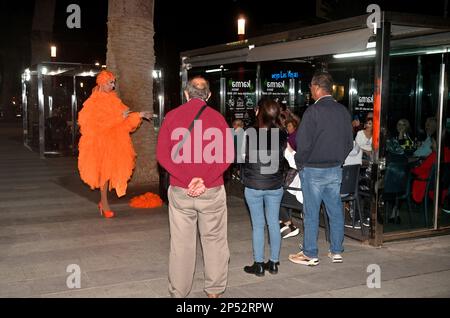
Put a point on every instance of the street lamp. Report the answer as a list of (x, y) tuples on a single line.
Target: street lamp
[(241, 28), (53, 51)]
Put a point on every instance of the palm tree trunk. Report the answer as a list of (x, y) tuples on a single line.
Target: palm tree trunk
[(130, 55), (42, 31)]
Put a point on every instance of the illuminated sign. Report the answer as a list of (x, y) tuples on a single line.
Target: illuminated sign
[(240, 84), (275, 84), (362, 100), (282, 75)]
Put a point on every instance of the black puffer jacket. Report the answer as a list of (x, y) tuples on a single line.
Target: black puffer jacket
[(262, 169)]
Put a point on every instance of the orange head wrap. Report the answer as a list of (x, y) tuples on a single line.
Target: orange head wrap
[(104, 77)]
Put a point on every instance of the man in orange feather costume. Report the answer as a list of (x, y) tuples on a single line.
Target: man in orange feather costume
[(106, 155)]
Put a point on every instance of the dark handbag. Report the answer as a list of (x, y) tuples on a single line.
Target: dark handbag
[(164, 176)]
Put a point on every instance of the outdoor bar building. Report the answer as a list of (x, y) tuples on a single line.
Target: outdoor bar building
[(397, 70), (52, 95)]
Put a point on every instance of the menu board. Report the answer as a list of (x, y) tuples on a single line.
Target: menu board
[(241, 99), (365, 104), (278, 90)]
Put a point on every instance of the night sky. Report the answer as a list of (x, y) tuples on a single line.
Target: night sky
[(179, 26)]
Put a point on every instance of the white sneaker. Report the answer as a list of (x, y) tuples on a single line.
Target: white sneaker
[(357, 225), (366, 223), (301, 258), (335, 258), (289, 231)]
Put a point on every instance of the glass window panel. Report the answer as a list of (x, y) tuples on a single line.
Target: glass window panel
[(410, 149)]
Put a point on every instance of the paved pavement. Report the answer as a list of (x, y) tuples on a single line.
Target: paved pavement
[(49, 220)]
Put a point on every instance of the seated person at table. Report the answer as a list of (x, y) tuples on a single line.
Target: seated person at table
[(358, 125), (424, 148), (401, 144), (364, 138), (423, 171), (291, 196), (291, 127)]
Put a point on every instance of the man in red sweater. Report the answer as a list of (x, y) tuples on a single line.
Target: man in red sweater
[(197, 197)]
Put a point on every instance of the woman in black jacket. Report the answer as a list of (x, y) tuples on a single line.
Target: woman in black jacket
[(263, 181)]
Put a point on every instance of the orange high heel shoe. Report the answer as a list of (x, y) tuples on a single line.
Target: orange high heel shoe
[(107, 214)]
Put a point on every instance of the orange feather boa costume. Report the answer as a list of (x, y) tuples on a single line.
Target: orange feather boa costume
[(105, 149)]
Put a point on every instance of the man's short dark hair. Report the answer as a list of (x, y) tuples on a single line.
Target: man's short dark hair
[(323, 80)]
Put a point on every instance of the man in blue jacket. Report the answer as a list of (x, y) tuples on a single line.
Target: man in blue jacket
[(324, 139)]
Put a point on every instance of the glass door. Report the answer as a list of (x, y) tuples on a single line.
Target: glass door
[(412, 156), (57, 94), (31, 113)]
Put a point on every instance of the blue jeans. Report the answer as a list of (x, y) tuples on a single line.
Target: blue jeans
[(257, 200), (322, 184)]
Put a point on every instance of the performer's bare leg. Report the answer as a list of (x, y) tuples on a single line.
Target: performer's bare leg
[(104, 196)]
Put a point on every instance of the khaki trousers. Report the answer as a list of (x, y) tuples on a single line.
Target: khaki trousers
[(208, 213)]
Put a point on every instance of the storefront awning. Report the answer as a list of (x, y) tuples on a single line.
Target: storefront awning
[(344, 42), (439, 39), (227, 57), (334, 37)]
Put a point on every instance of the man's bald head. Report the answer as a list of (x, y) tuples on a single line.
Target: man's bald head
[(198, 87)]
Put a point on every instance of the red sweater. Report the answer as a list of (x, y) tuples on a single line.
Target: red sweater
[(423, 172), (195, 163)]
